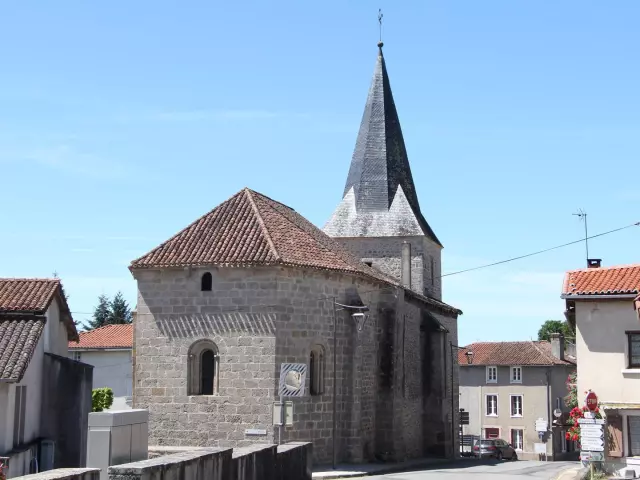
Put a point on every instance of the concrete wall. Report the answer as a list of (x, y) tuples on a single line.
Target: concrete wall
[(66, 403), (257, 462), (64, 474), (537, 401), (6, 419), (55, 332), (294, 461), (242, 316), (201, 464), (602, 346), (111, 368)]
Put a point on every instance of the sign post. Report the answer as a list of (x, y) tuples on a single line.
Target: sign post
[(591, 432), (541, 427)]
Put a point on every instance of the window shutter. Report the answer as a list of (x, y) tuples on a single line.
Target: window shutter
[(614, 436)]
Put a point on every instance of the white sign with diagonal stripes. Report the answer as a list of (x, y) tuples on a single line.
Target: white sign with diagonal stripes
[(292, 379)]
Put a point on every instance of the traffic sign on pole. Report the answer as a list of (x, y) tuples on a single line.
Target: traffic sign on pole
[(591, 401)]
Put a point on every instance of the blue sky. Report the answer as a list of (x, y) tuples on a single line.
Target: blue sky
[(121, 122)]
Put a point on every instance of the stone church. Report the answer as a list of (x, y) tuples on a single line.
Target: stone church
[(252, 285)]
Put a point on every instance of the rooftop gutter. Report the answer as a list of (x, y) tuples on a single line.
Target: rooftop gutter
[(610, 296)]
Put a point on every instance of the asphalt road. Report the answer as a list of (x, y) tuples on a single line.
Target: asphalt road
[(494, 471)]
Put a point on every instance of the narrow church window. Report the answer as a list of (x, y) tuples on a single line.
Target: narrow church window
[(203, 368), (316, 370), (206, 283), (433, 272)]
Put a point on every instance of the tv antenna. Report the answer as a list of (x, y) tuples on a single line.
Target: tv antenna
[(582, 215)]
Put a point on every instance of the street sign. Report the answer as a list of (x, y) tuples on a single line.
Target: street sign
[(541, 425), (591, 401), (557, 413), (592, 421), (464, 418), (593, 456), (590, 433), (592, 447)]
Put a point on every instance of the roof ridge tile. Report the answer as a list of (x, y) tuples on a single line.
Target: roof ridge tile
[(265, 230)]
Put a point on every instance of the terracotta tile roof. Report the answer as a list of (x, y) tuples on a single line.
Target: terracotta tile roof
[(252, 229), (109, 336), (27, 294), (510, 353), (618, 280), (34, 295), (19, 336)]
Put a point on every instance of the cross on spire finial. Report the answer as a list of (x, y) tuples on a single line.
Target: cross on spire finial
[(380, 15)]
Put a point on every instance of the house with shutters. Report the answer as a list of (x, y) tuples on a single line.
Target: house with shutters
[(507, 386), (602, 303), (252, 285), (45, 398)]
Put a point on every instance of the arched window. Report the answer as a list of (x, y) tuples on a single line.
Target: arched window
[(316, 370), (204, 369), (206, 283)]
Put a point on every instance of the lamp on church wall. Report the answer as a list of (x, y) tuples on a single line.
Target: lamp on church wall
[(469, 355)]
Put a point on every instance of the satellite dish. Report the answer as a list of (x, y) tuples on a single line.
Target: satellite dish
[(557, 413)]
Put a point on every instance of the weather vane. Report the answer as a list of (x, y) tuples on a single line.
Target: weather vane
[(380, 22)]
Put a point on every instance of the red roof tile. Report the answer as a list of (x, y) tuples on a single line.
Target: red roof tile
[(510, 353), (252, 229), (623, 279), (109, 336), (19, 336), (27, 294)]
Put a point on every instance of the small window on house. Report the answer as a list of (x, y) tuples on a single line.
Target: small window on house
[(203, 368), (20, 409), (491, 402), (492, 374), (206, 282), (516, 374), (634, 349), (633, 424), (369, 263), (516, 405), (77, 356), (316, 370)]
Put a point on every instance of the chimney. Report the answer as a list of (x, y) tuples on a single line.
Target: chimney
[(557, 345), (594, 262), (406, 264)]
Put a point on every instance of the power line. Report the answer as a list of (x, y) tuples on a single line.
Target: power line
[(541, 251)]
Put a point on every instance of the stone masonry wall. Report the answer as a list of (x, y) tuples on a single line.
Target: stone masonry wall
[(259, 318), (385, 253)]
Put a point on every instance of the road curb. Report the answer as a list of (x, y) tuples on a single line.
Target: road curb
[(387, 469), (573, 473)]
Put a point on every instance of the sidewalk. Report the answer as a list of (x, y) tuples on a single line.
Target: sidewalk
[(367, 469), (572, 473)]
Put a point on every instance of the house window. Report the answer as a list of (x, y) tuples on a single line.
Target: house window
[(516, 405), (204, 368), (77, 356), (206, 283), (316, 370), (492, 374), (492, 405), (634, 435), (491, 432), (517, 439), (516, 374), (634, 349), (20, 409), (563, 441), (370, 264)]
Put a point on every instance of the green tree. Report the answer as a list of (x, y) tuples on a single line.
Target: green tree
[(554, 326), (119, 310), (101, 399), (101, 314)]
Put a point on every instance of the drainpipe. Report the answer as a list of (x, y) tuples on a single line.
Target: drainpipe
[(550, 425)]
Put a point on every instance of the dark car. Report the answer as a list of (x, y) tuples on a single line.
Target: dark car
[(494, 448)]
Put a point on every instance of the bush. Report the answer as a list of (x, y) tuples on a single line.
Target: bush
[(101, 399)]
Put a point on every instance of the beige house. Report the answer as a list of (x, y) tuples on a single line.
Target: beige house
[(507, 386), (600, 302)]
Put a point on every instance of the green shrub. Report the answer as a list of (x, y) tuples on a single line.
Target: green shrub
[(101, 399)]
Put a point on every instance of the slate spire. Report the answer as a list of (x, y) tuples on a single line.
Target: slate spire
[(380, 166)]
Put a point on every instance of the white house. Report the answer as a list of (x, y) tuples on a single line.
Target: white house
[(600, 302), (44, 397), (108, 349)]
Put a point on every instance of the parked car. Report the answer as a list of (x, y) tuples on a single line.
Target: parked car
[(494, 448)]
